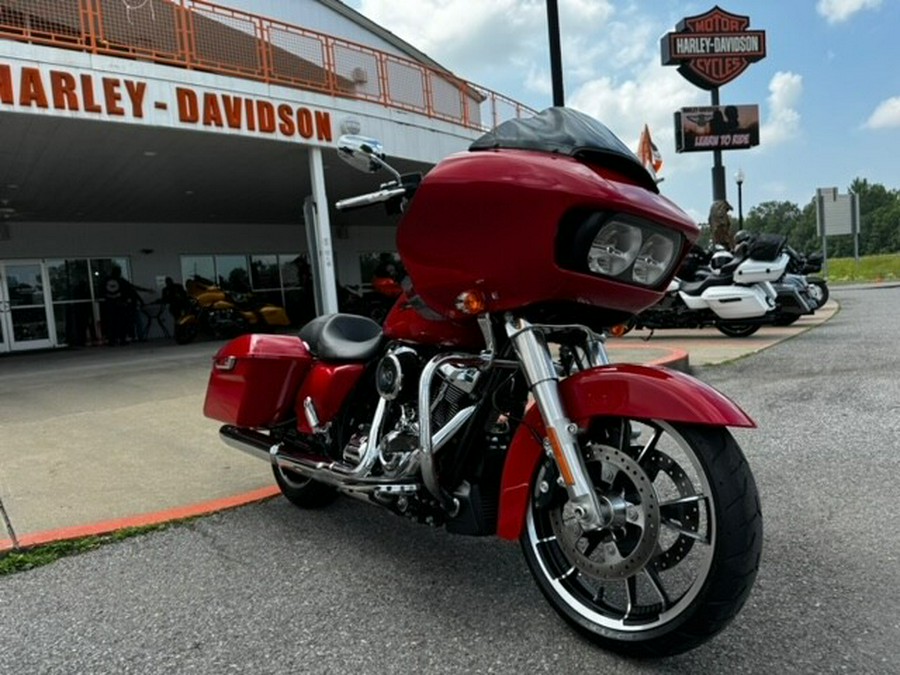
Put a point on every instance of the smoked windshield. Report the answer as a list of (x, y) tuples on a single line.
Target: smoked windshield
[(568, 132)]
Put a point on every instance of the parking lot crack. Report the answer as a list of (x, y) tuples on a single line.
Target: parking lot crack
[(9, 526)]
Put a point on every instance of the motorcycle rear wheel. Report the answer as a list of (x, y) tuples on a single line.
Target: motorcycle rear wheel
[(301, 491), (738, 330), (681, 556)]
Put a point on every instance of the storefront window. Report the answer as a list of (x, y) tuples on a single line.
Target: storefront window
[(299, 299), (232, 273), (73, 306), (264, 272), (197, 267), (280, 279), (69, 279)]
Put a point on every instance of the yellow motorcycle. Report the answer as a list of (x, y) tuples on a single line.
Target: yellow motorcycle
[(221, 314)]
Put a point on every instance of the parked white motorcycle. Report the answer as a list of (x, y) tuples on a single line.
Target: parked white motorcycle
[(737, 297)]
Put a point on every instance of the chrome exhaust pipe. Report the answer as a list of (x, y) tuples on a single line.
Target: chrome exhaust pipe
[(300, 460)]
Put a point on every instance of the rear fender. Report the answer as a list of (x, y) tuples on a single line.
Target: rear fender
[(638, 392)]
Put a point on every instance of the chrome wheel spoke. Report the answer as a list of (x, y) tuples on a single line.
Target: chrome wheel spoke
[(631, 595), (683, 509), (657, 584), (681, 515), (649, 446)]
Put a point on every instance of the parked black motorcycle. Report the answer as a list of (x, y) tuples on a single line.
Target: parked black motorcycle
[(809, 266)]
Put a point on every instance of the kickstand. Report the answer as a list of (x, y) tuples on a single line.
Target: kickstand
[(647, 339)]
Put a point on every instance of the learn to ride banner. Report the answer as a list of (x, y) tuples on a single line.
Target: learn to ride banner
[(726, 127)]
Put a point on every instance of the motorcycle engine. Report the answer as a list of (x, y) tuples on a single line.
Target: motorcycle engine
[(452, 394), (397, 381)]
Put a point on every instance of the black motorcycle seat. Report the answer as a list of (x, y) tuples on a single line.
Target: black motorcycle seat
[(697, 287), (342, 337)]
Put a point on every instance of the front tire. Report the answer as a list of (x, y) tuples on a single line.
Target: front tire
[(738, 330), (185, 333), (681, 553), (818, 291)]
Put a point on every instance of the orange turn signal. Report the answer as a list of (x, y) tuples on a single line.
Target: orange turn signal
[(471, 302)]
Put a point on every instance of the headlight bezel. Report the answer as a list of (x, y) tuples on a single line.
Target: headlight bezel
[(650, 266)]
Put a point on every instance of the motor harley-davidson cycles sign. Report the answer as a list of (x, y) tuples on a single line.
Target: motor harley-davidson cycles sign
[(714, 48)]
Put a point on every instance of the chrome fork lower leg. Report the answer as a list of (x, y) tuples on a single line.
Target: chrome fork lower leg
[(540, 372)]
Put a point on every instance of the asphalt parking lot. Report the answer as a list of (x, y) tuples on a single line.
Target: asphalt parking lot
[(269, 589)]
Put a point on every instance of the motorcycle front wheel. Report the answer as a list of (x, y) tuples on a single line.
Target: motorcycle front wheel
[(682, 548), (737, 330), (818, 291), (185, 332)]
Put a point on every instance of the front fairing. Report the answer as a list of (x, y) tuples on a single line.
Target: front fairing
[(491, 221)]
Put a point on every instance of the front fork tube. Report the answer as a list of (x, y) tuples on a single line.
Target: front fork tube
[(543, 380)]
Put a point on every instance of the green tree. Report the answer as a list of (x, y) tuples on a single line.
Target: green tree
[(786, 218), (879, 210)]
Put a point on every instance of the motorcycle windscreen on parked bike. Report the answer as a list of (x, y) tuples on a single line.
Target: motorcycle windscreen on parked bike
[(543, 213)]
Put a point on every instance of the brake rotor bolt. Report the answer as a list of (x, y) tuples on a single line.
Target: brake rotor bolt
[(633, 515)]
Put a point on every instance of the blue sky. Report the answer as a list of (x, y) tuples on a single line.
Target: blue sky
[(828, 89)]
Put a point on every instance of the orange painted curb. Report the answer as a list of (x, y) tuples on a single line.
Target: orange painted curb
[(676, 358), (143, 520)]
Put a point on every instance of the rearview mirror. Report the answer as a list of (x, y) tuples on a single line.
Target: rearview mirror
[(364, 154)]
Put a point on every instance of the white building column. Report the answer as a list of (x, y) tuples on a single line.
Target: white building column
[(319, 231)]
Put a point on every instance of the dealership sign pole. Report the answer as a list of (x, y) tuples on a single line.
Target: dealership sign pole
[(710, 50)]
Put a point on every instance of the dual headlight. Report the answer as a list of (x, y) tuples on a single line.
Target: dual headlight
[(633, 252)]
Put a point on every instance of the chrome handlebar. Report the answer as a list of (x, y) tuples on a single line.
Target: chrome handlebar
[(370, 198)]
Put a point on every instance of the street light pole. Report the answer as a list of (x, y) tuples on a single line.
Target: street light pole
[(739, 177), (556, 75)]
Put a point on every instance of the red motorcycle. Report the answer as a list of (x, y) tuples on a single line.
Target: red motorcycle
[(486, 403)]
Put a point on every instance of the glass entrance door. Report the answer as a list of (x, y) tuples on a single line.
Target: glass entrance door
[(25, 309)]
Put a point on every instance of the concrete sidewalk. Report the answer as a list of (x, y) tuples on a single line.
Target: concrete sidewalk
[(99, 439)]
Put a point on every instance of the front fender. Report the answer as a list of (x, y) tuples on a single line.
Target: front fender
[(625, 390)]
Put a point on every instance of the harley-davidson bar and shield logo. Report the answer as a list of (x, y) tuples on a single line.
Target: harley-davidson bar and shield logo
[(714, 48)]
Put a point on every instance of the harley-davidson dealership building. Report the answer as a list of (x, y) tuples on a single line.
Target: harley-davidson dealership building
[(186, 139)]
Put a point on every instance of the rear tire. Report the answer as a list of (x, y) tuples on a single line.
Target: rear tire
[(738, 330), (682, 552), (301, 491)]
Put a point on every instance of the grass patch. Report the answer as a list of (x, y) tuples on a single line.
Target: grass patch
[(870, 269), (27, 559)]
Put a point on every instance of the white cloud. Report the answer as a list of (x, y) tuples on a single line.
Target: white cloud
[(783, 122), (504, 44), (649, 96), (886, 115), (467, 34), (838, 11)]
